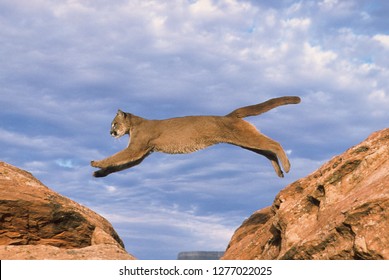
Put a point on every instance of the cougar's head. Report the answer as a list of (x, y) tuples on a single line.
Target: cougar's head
[(119, 125)]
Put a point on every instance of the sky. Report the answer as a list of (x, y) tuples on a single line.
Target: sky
[(68, 66)]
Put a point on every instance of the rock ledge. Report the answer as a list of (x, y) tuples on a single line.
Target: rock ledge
[(38, 223), (339, 211)]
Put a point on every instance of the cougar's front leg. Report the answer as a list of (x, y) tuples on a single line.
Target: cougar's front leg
[(106, 171), (128, 155)]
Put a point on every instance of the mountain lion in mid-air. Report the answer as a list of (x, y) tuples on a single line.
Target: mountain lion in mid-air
[(192, 133)]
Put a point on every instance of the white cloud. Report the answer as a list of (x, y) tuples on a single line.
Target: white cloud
[(111, 189), (379, 100), (297, 23), (328, 4), (379, 96), (204, 8), (23, 140), (38, 168), (317, 58), (196, 232), (66, 163), (383, 39)]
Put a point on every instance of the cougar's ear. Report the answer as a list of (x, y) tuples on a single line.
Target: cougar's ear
[(121, 113)]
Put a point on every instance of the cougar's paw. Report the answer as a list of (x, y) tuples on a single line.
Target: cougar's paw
[(99, 173), (95, 163), (287, 166)]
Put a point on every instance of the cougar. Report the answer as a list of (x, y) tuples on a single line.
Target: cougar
[(191, 133)]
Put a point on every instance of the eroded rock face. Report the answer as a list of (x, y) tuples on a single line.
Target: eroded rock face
[(338, 212), (38, 223)]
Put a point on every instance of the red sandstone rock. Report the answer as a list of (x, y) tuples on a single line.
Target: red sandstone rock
[(339, 211), (38, 223)]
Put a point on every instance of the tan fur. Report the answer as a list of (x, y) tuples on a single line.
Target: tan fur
[(192, 133)]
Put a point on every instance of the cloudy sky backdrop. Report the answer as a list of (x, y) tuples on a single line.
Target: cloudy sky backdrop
[(67, 66)]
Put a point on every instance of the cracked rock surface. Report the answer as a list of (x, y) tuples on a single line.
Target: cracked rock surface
[(340, 211), (38, 223)]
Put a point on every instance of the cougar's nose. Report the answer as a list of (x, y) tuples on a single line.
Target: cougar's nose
[(113, 133)]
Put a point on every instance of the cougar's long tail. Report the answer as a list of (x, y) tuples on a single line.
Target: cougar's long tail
[(260, 108)]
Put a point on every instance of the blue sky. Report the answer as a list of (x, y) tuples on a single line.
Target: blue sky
[(67, 66)]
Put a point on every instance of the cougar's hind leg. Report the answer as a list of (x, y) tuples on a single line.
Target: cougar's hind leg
[(247, 136), (273, 159), (279, 151)]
